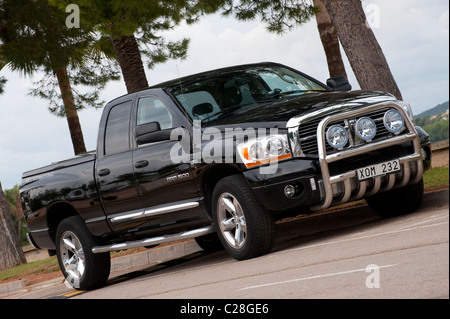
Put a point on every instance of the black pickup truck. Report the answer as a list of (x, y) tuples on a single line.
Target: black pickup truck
[(219, 157)]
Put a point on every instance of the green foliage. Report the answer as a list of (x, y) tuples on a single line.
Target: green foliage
[(37, 267), (12, 198), (37, 39), (437, 128), (147, 20), (278, 15), (436, 178), (438, 131), (87, 82)]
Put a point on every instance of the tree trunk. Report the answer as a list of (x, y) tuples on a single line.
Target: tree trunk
[(330, 41), (130, 61), (71, 111), (361, 47), (11, 253)]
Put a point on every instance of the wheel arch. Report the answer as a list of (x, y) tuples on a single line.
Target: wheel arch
[(56, 214), (211, 177)]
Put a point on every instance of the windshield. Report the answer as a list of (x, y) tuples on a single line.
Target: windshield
[(210, 97)]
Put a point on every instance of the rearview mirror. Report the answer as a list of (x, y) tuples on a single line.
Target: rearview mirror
[(202, 109), (339, 83)]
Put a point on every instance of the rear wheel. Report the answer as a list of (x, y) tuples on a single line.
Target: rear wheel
[(244, 228), (397, 201), (80, 266)]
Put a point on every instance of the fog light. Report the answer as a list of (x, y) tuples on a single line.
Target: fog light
[(365, 128), (337, 136), (289, 190), (393, 121)]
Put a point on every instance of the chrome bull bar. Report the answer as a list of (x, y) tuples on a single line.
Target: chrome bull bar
[(346, 186)]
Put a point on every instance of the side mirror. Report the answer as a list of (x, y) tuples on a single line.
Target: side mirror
[(202, 109), (339, 83), (151, 132)]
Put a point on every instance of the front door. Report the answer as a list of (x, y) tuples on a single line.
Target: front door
[(167, 190)]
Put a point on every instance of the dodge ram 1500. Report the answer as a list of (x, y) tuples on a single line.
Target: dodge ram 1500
[(219, 156)]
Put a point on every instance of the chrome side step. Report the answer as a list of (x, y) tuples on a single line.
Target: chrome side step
[(155, 240)]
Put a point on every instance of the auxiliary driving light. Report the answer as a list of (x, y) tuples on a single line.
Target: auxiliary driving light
[(337, 136), (393, 121), (365, 128)]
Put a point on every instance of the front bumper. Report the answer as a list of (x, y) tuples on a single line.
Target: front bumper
[(351, 187), (332, 179)]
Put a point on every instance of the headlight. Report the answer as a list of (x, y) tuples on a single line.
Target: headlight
[(365, 128), (393, 121), (264, 150), (407, 108), (337, 136)]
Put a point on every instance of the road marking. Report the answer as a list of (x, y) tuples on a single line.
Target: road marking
[(311, 277), (423, 222), (68, 294), (363, 237)]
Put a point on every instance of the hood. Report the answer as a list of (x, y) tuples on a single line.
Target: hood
[(284, 109)]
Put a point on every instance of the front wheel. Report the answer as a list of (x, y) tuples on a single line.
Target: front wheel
[(397, 201), (80, 266), (244, 228)]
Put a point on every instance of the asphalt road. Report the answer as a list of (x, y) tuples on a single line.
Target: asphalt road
[(344, 254)]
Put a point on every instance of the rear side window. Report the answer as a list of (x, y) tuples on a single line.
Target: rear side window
[(117, 129)]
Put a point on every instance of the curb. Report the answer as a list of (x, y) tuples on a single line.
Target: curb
[(157, 255), (119, 265)]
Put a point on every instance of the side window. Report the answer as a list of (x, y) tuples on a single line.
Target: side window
[(117, 129), (151, 109)]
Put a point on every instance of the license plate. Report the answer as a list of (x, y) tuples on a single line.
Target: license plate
[(378, 169)]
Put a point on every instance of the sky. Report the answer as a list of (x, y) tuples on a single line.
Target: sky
[(414, 36)]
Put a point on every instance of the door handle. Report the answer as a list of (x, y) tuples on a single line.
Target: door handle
[(141, 164), (104, 172)]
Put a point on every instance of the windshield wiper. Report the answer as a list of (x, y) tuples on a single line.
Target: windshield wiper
[(300, 91), (224, 112), (278, 94)]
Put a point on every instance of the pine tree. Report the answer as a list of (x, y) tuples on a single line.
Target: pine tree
[(35, 38), (330, 40), (363, 51), (134, 28)]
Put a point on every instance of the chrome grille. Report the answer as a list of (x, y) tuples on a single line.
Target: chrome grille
[(307, 132)]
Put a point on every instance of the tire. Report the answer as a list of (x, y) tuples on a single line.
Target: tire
[(398, 201), (82, 269), (244, 228)]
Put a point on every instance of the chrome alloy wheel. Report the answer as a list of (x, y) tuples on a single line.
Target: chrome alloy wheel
[(72, 255), (231, 220)]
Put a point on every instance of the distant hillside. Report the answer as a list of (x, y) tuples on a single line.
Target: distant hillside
[(441, 108)]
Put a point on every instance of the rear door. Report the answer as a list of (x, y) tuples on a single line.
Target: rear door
[(116, 183)]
